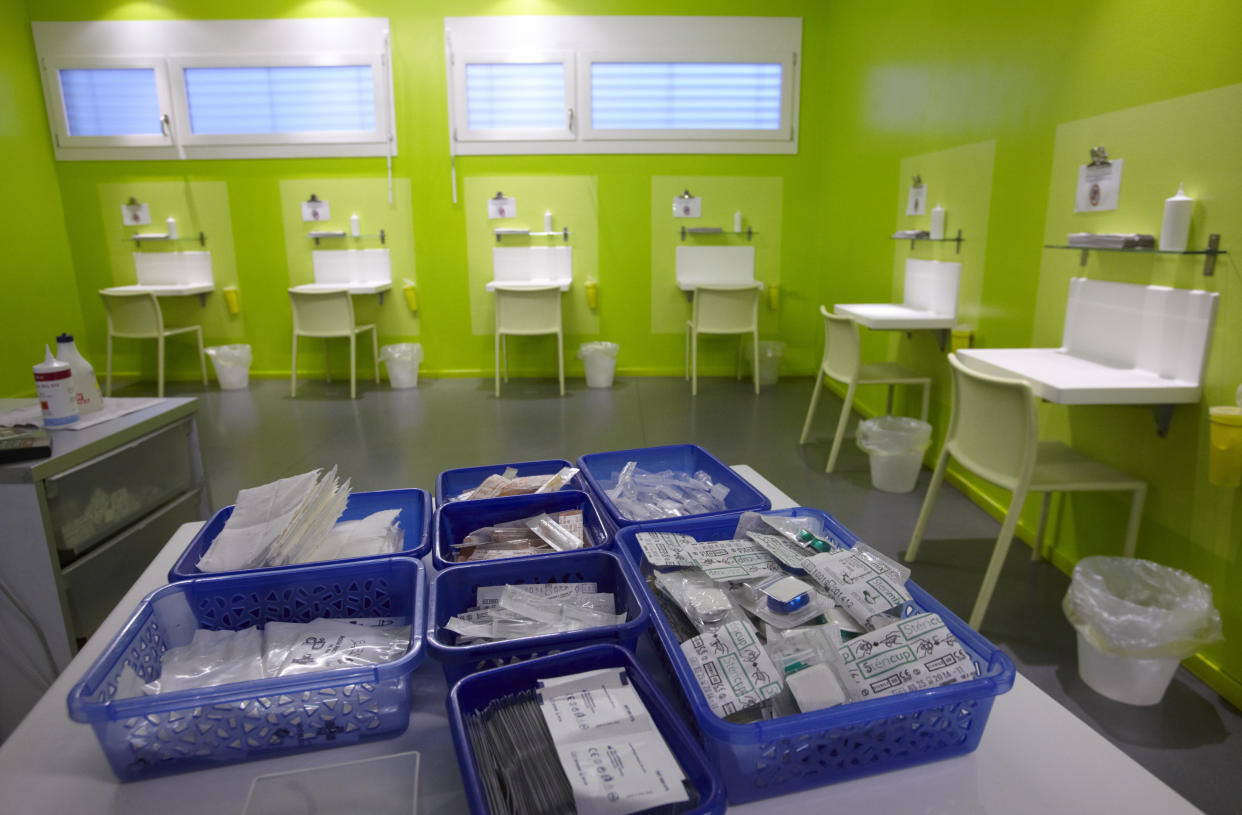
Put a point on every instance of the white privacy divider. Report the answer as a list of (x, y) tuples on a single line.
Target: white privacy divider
[(714, 266), (352, 267), (532, 266), (1122, 344), (160, 269)]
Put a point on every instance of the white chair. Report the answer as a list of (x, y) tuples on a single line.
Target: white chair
[(527, 311), (723, 310), (994, 433), (843, 362), (329, 314), (137, 315)]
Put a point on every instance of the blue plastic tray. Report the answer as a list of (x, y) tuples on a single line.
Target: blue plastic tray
[(173, 732), (601, 469), (457, 481), (415, 519), (454, 590), (765, 759), (475, 692), (457, 520)]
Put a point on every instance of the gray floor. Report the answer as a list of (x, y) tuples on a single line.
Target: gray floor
[(389, 438)]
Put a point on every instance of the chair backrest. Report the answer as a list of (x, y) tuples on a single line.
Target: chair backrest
[(322, 313), (133, 314), (842, 348), (994, 427), (726, 309), (528, 310)]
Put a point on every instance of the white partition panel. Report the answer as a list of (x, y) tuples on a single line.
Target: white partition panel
[(173, 268), (932, 285), (533, 264), (715, 266), (352, 266)]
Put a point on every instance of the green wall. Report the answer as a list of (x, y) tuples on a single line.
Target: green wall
[(992, 103), (40, 290)]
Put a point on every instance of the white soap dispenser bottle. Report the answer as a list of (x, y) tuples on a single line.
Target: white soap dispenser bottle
[(1176, 227), (936, 232)]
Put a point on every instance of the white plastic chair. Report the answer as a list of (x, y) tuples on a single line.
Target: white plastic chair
[(994, 433), (329, 314), (843, 362), (525, 311), (723, 310), (137, 315)]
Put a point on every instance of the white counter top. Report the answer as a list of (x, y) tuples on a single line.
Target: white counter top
[(167, 290), (527, 285), (1060, 377), (373, 287), (892, 317)]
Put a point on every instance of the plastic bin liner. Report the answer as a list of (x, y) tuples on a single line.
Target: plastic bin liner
[(1141, 610), (232, 364), (402, 362), (600, 361), (893, 434)]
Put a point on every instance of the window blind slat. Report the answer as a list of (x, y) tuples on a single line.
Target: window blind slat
[(685, 96), (110, 101), (515, 96), (280, 99)]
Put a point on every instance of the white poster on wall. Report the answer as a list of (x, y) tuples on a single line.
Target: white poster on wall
[(916, 203), (1099, 187), (501, 207)]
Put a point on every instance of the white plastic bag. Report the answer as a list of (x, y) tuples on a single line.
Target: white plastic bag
[(1141, 610)]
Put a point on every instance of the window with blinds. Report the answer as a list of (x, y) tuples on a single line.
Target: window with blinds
[(520, 98), (110, 101), (662, 96), (283, 99)]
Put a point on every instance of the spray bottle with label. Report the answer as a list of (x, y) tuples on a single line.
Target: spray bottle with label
[(85, 385), (54, 383)]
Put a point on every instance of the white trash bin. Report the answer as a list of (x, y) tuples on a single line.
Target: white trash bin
[(1136, 621), (600, 361), (402, 361), (232, 365), (896, 445), (770, 355)]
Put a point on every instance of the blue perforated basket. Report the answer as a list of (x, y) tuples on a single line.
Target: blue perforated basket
[(457, 520), (414, 519), (601, 469), (454, 590), (475, 692), (183, 730), (779, 756), (454, 482)]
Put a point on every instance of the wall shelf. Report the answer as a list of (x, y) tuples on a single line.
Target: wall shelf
[(1209, 260), (139, 237), (524, 233), (957, 240), (316, 234), (713, 230)]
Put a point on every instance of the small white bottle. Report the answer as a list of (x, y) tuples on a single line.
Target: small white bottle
[(54, 383), (547, 221), (355, 228), (1176, 227), (171, 225), (85, 385), (737, 221), (936, 232)]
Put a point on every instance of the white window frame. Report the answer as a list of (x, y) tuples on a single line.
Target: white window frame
[(461, 113), (783, 133), (627, 39), (181, 103), (58, 117), (172, 45)]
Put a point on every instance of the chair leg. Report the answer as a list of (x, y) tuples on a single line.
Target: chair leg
[(293, 369), (504, 355), (327, 363), (108, 369), (1136, 517), (694, 363), (926, 399), (202, 356), (810, 411), (1037, 549), (998, 559), (159, 366), (560, 360), (496, 342), (841, 425), (353, 366), (888, 404), (375, 350), (754, 369), (741, 339), (687, 369), (920, 526)]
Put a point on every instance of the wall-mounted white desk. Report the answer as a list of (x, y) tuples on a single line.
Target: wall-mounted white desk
[(929, 300), (167, 290), (892, 317), (526, 285), (372, 287), (171, 274), (1035, 757)]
